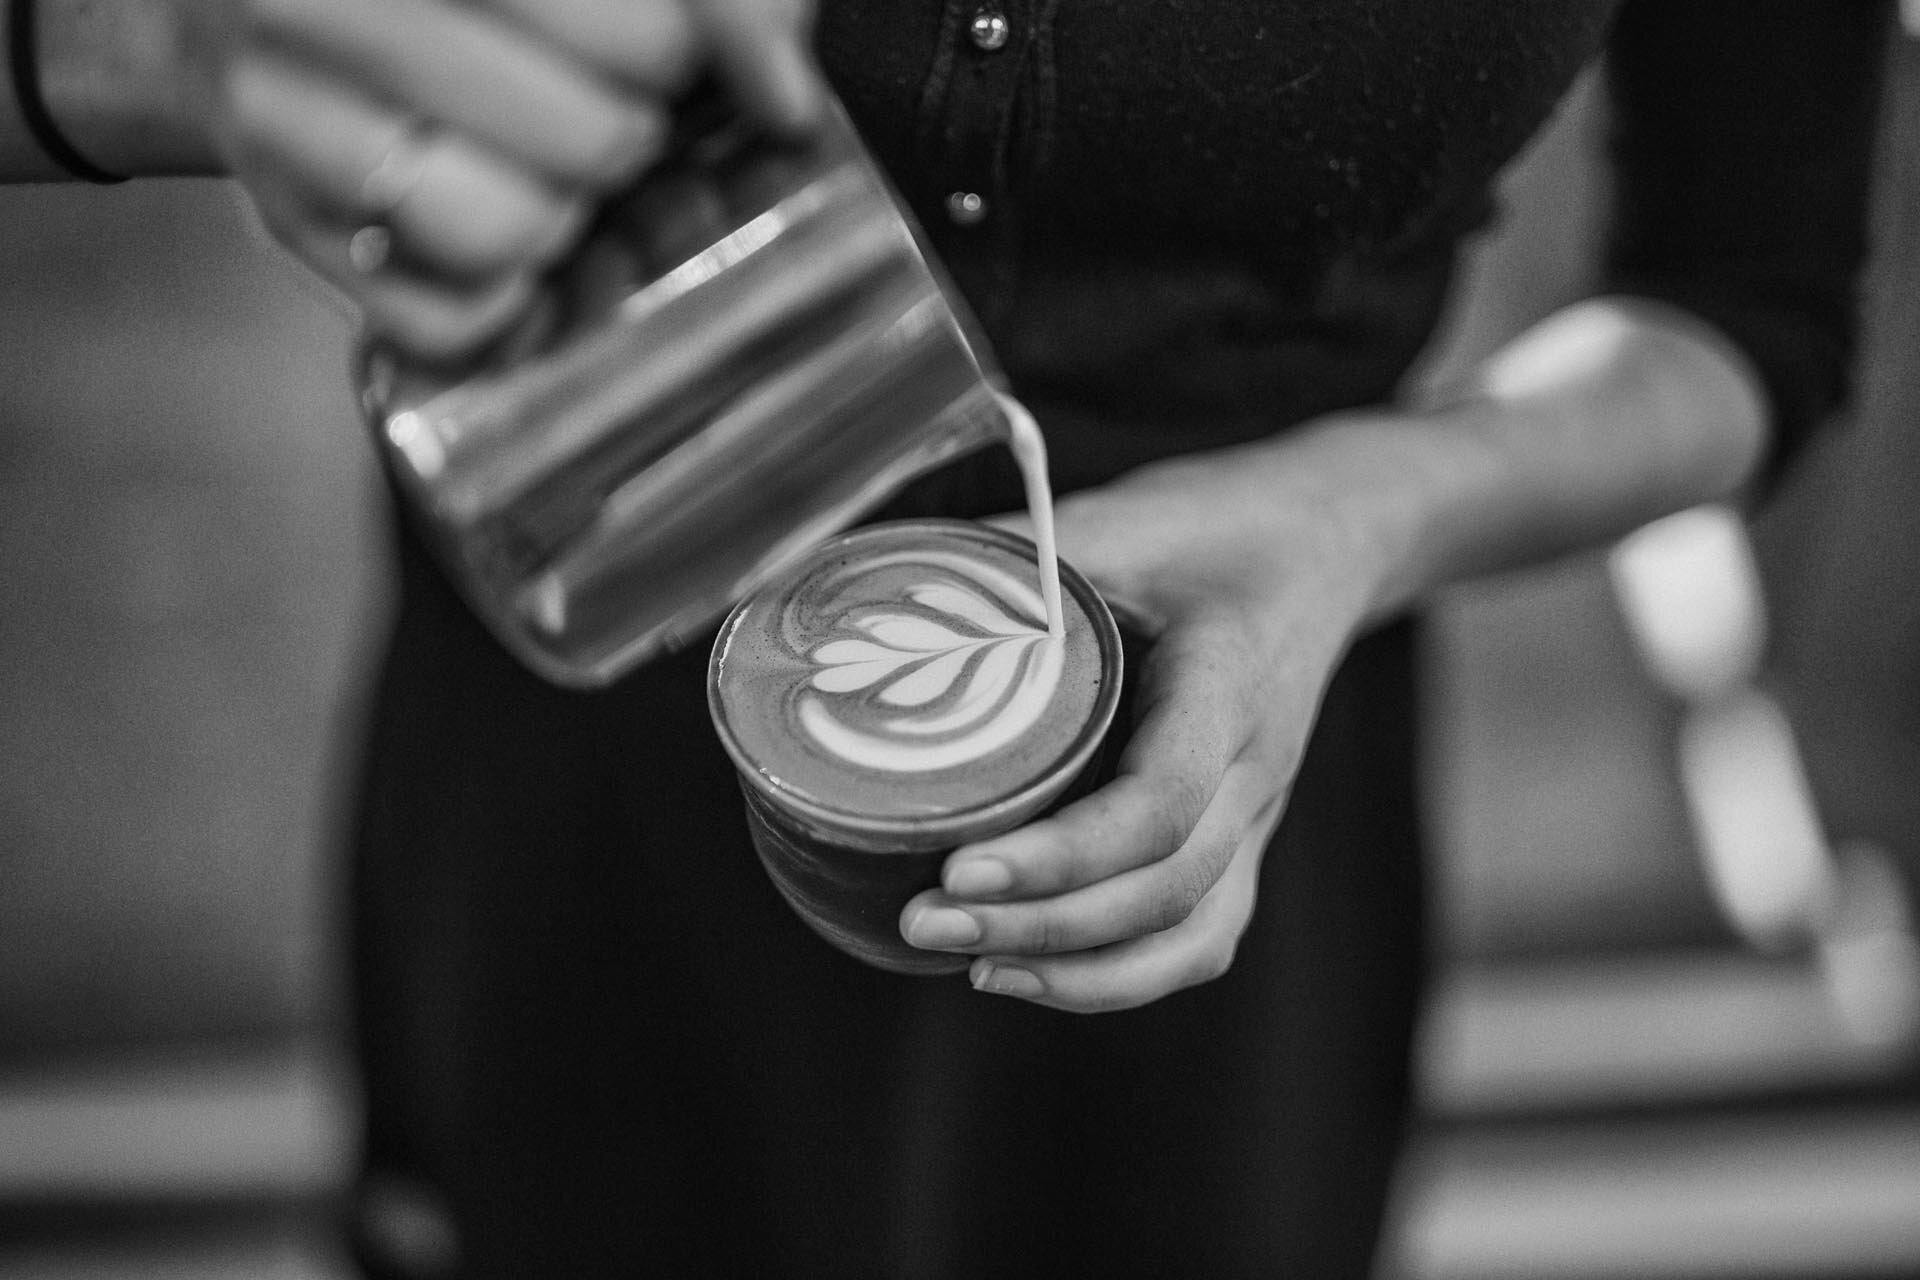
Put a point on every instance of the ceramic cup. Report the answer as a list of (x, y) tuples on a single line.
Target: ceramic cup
[(896, 695)]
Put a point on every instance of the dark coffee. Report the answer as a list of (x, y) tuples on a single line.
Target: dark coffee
[(895, 696)]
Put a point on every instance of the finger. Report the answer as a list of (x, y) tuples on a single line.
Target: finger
[(1192, 724), (436, 323), (1137, 972), (650, 45), (760, 48), (473, 73), (429, 318), (456, 207), (1146, 900)]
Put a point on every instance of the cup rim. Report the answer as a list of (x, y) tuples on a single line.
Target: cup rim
[(997, 814)]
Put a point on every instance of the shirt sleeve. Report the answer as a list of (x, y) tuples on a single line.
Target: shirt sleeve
[(1742, 142)]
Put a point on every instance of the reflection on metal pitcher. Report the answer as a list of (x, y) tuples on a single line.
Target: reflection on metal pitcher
[(748, 355)]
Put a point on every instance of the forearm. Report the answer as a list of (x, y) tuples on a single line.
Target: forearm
[(119, 83), (1605, 416)]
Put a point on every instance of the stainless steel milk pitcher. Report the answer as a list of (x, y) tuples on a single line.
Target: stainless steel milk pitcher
[(747, 354)]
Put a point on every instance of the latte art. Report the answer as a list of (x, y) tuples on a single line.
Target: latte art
[(903, 683), (958, 669), (901, 693)]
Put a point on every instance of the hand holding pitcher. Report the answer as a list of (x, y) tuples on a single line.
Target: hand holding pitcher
[(433, 159)]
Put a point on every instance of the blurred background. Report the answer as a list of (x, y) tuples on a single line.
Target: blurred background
[(1674, 1026)]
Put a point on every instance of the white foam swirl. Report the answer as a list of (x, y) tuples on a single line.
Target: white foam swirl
[(947, 684)]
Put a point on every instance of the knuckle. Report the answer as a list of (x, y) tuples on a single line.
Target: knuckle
[(1044, 933), (1179, 898), (1169, 909), (1177, 803), (1080, 858)]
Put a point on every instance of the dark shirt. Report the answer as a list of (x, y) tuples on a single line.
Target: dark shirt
[(589, 1025), (1203, 222)]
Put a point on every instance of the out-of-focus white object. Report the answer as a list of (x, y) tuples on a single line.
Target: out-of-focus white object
[(1868, 952), (276, 1126), (1689, 591), (1754, 819), (1910, 15), (1768, 1195), (1571, 345)]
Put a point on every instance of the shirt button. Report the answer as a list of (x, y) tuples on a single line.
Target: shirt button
[(989, 30), (966, 208)]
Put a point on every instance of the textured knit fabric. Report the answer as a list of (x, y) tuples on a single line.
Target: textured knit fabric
[(592, 1032)]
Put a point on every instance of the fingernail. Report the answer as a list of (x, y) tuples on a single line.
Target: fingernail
[(936, 927), (1006, 980), (978, 877)]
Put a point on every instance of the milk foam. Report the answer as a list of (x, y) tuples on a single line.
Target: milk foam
[(903, 674), (1029, 449), (965, 672)]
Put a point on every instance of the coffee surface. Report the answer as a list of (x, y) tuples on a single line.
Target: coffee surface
[(904, 672)]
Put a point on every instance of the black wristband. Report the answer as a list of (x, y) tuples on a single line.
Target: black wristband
[(24, 64)]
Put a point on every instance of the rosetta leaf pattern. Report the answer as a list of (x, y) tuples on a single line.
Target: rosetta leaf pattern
[(957, 668)]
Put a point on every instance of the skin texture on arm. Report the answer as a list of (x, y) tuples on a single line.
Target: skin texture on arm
[(1252, 569)]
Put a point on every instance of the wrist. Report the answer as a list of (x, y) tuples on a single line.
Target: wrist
[(121, 87), (1602, 417), (1608, 414), (1396, 494), (1625, 408)]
